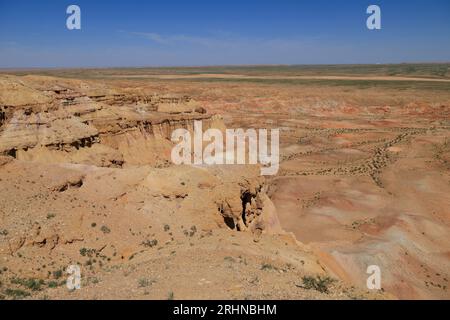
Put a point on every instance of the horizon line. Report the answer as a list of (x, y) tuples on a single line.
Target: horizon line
[(220, 66)]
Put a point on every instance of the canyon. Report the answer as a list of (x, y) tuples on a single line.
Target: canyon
[(86, 178)]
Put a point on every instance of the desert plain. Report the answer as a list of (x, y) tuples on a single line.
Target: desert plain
[(86, 179)]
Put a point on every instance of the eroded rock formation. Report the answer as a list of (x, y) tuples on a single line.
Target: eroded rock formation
[(43, 119), (71, 121)]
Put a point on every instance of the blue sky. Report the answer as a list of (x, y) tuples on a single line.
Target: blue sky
[(176, 33)]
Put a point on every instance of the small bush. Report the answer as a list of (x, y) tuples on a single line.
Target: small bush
[(50, 216), (144, 282), (150, 243), (32, 284), (229, 259), (87, 252), (317, 283), (105, 229), (57, 274), (16, 293), (267, 266)]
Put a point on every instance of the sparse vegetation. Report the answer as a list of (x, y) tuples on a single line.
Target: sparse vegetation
[(150, 243), (193, 231), (93, 280), (50, 216), (87, 252), (57, 274), (105, 229), (267, 267), (144, 282), (229, 259), (339, 128), (431, 70), (318, 283), (17, 293), (32, 284)]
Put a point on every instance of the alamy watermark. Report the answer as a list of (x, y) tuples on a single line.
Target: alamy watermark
[(74, 280), (374, 20), (73, 22), (374, 280), (239, 147)]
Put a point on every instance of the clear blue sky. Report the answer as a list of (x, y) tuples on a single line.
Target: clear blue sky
[(168, 33)]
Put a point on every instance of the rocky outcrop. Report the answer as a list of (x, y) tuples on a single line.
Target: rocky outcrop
[(76, 121), (99, 126)]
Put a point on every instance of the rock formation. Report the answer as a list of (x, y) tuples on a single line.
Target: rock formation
[(63, 119), (86, 179)]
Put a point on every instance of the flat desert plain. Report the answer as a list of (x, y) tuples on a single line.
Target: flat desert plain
[(86, 179)]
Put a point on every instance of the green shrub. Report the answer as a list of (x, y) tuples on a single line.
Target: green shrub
[(16, 293), (105, 229), (50, 216), (150, 243), (57, 274), (267, 266), (317, 283), (32, 284)]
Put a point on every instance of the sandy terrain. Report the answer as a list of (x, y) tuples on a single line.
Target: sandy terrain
[(86, 179), (248, 77)]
